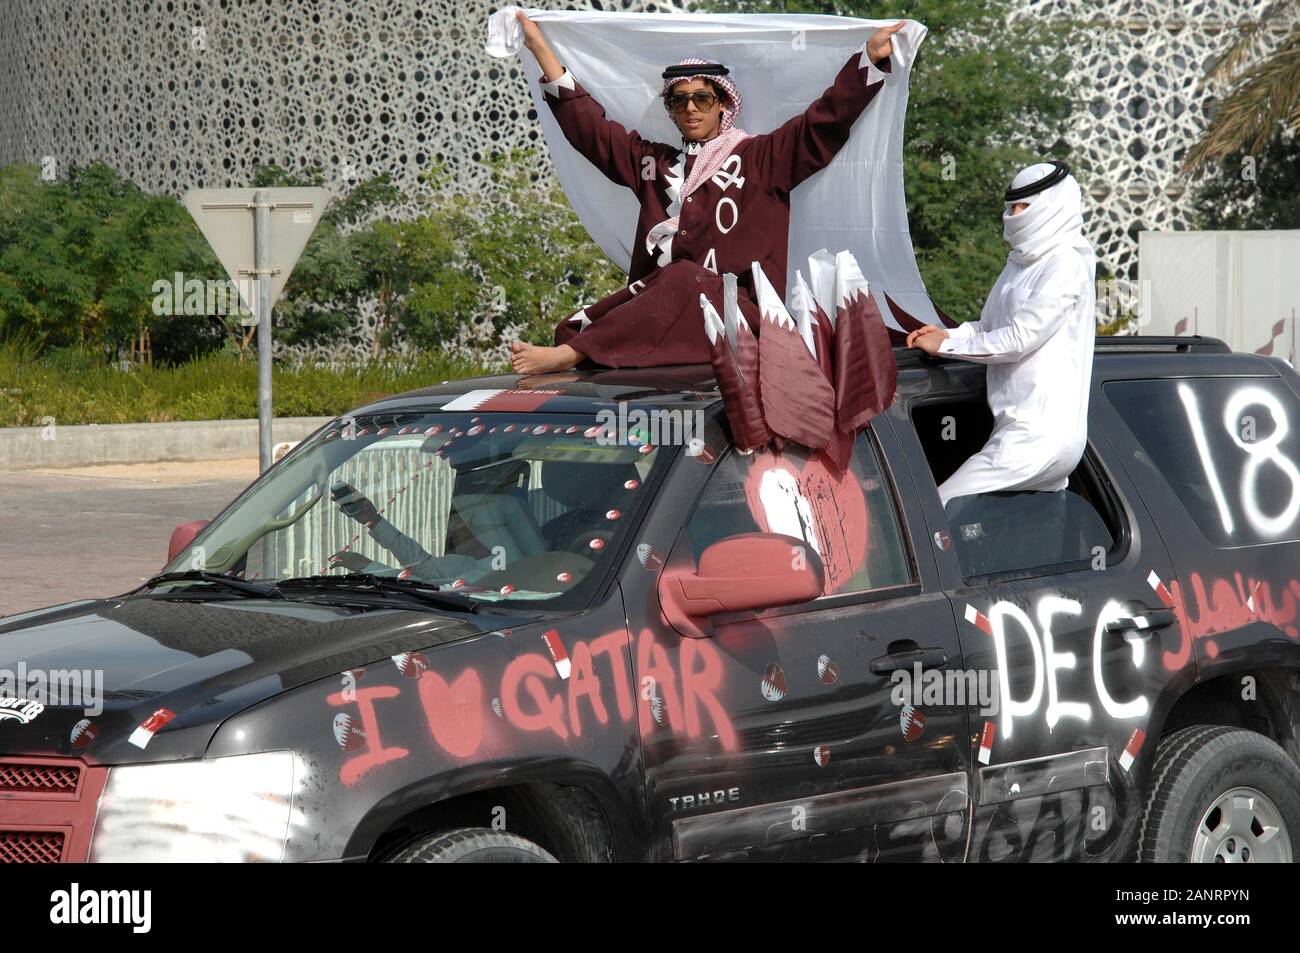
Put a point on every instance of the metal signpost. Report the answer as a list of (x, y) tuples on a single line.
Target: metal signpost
[(283, 219)]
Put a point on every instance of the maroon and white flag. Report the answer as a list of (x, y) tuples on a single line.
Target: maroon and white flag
[(798, 402), (813, 323), (813, 303), (734, 354), (866, 375), (817, 327), (821, 284)]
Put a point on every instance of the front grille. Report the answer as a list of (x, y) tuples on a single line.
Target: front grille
[(47, 808), (31, 847), (16, 778)]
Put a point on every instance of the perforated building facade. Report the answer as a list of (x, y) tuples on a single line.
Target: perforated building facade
[(185, 93)]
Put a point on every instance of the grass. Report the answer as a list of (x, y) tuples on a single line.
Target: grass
[(77, 387)]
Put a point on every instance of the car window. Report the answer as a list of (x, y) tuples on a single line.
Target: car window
[(1227, 447), (498, 506), (1080, 524), (848, 519), (1006, 532)]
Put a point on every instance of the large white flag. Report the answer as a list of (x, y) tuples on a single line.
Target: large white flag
[(781, 62)]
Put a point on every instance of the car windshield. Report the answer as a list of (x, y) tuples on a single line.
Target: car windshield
[(498, 507)]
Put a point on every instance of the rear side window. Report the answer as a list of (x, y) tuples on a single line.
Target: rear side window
[(1016, 532), (1042, 531), (1226, 446)]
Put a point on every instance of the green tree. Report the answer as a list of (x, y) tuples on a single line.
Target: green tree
[(79, 256), (515, 263), (46, 293), (1263, 97), (352, 259), (988, 96), (1252, 191)]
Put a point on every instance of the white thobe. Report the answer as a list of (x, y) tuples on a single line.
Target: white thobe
[(1036, 334)]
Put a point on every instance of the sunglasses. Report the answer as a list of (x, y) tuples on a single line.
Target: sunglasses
[(702, 99)]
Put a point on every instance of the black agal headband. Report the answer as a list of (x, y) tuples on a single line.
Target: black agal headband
[(1058, 173), (707, 69)]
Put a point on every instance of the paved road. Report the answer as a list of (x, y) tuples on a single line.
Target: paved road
[(99, 531)]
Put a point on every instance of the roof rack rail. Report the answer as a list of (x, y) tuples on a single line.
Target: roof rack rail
[(1176, 345), (1110, 344)]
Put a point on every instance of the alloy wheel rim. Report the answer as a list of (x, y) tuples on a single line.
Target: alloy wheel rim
[(1242, 826)]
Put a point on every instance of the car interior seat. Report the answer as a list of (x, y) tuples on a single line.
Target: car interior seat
[(587, 491)]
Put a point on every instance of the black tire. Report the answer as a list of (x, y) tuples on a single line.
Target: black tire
[(470, 845), (1196, 766)]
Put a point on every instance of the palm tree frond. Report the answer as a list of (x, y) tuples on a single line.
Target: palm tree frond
[(1268, 95), (1251, 41)]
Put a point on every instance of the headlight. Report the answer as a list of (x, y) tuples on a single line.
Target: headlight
[(226, 809)]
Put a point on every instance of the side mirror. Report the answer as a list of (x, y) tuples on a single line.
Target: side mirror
[(182, 536), (739, 573)]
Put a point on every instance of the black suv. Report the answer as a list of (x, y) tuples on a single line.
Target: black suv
[(562, 618)]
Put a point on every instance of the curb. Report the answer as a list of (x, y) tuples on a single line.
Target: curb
[(25, 448)]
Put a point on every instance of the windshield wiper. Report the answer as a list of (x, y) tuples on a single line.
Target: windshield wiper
[(264, 589), (423, 591)]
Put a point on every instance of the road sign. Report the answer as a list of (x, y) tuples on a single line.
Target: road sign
[(225, 216), (258, 234)]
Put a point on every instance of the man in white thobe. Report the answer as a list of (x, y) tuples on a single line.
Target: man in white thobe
[(1036, 334)]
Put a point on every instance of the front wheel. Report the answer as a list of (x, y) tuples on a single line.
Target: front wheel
[(1221, 795), (470, 845)]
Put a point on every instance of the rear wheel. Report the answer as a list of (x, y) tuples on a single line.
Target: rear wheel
[(470, 845), (1221, 795)]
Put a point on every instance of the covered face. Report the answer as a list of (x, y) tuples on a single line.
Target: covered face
[(682, 77), (1054, 216)]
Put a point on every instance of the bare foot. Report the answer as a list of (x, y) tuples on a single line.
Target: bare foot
[(533, 359)]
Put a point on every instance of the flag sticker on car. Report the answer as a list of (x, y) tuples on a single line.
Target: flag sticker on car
[(150, 727), (1131, 750), (501, 399), (558, 653), (986, 742), (978, 619), (1161, 589)]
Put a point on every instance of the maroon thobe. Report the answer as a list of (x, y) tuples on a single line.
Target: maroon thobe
[(738, 216)]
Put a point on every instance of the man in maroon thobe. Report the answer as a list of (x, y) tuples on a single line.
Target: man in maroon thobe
[(695, 224)]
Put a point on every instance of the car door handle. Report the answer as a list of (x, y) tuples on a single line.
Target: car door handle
[(1144, 621), (907, 658)]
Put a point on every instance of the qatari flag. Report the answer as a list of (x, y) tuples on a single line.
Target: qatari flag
[(798, 402), (908, 322), (813, 305), (821, 285), (866, 374), (518, 400), (813, 323), (744, 412), (745, 344), (1278, 329), (944, 319)]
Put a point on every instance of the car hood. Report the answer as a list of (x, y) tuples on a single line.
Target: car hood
[(196, 661)]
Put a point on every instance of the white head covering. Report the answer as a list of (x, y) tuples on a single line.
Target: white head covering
[(1054, 218)]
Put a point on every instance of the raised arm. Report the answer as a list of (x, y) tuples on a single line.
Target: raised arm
[(606, 144), (808, 142)]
